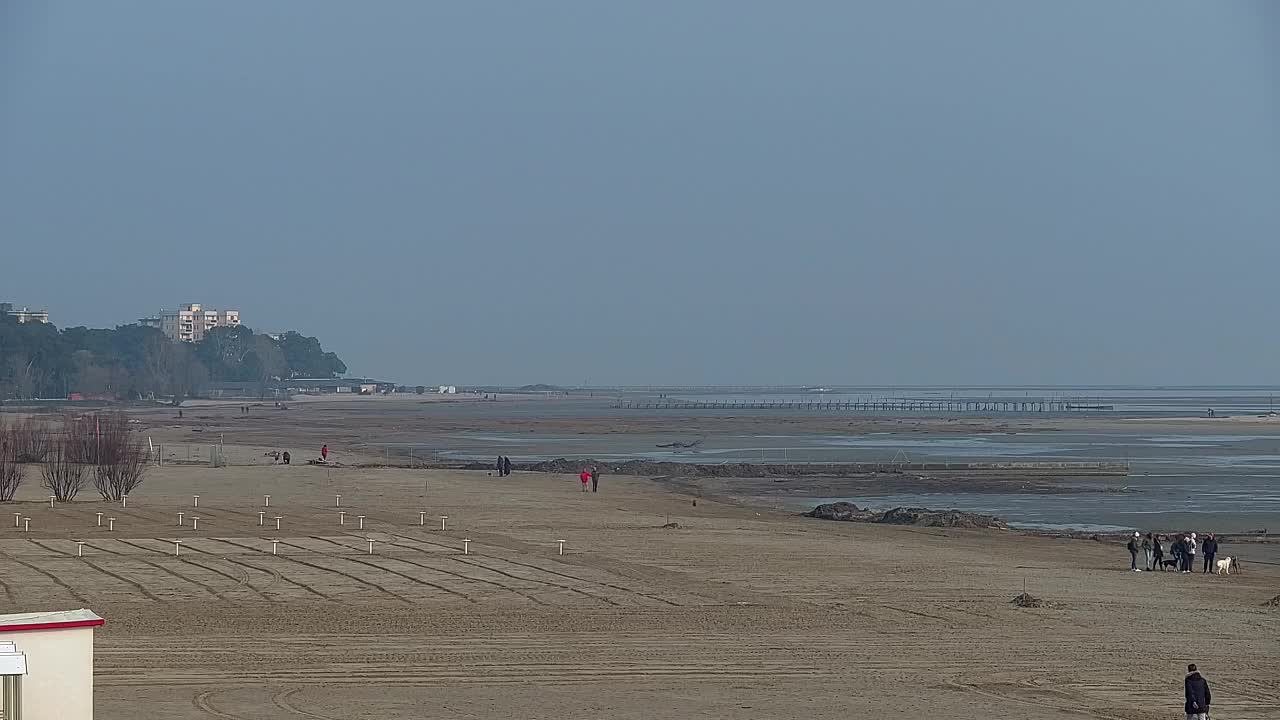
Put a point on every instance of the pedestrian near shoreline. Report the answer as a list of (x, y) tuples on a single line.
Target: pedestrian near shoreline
[(1133, 552), (585, 477), (1198, 697), (595, 478), (1191, 554), (1157, 552), (1146, 549), (1209, 549)]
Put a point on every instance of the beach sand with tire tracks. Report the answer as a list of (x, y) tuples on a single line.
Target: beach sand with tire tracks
[(739, 612)]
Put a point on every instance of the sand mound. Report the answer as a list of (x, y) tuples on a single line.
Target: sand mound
[(1027, 601), (923, 517), (1273, 602), (671, 526)]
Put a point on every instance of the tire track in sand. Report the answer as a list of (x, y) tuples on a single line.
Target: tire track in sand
[(322, 568), (281, 700), (275, 576), (201, 702)]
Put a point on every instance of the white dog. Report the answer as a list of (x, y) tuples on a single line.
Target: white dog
[(1224, 565)]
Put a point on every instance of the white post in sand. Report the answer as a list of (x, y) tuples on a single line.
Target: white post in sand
[(561, 546), (180, 516), (337, 501), (361, 519), (17, 519), (261, 514), (195, 523), (422, 517), (278, 518), (266, 501), (273, 546), (370, 545), (444, 519), (124, 501), (99, 520), (342, 518), (176, 544), (111, 524), (79, 548), (52, 498), (26, 524), (195, 501), (466, 547)]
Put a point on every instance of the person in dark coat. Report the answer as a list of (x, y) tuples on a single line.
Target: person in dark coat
[(1209, 548), (1157, 552), (1133, 553), (1177, 549), (595, 478), (506, 465), (1198, 696)]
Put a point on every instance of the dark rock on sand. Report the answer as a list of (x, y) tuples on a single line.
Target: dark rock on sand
[(923, 517)]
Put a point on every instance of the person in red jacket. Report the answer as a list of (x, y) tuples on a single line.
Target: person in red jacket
[(585, 477), (324, 453)]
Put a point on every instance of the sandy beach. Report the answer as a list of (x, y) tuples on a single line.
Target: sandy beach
[(730, 611)]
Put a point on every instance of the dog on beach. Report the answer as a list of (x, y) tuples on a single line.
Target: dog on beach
[(1224, 565), (1169, 564)]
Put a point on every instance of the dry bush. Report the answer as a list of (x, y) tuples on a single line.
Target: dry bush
[(121, 459), (11, 471), (80, 434), (61, 473), (30, 439)]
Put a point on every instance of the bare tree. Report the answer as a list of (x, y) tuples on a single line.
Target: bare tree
[(61, 473), (121, 458), (11, 471), (30, 439), (81, 436)]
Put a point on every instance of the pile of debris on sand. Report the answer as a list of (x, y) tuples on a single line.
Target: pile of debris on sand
[(1027, 601), (1273, 602), (923, 517)]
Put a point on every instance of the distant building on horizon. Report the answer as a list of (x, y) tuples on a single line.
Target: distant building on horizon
[(24, 315), (191, 321)]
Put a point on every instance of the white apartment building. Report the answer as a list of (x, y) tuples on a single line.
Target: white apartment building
[(191, 321), (24, 315)]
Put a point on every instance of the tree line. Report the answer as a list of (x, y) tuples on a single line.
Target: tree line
[(133, 362), (89, 448)]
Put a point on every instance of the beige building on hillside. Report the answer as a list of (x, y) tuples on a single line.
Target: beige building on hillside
[(190, 322), (24, 315)]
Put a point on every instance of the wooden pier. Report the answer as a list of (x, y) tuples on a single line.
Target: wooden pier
[(952, 405)]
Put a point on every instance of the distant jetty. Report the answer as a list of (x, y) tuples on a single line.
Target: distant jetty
[(953, 405)]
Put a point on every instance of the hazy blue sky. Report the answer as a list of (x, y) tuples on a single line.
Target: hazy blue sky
[(668, 191)]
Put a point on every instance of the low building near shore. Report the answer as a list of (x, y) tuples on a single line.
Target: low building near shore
[(46, 665)]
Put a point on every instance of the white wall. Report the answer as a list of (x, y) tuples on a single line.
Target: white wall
[(59, 680)]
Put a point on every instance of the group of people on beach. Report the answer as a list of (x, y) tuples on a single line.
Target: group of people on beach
[(1183, 550), (503, 466)]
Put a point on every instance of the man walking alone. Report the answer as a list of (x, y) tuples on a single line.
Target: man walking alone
[(595, 478), (1198, 696)]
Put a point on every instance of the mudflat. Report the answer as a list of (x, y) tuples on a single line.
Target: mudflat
[(657, 609)]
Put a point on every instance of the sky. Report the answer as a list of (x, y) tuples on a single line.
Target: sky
[(662, 192)]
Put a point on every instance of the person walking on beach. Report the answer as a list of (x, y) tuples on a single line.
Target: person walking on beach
[(1157, 553), (1178, 548), (595, 478), (1191, 553), (1146, 550), (1196, 689), (498, 466), (1209, 549), (1133, 552), (585, 477), (506, 465), (324, 453)]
